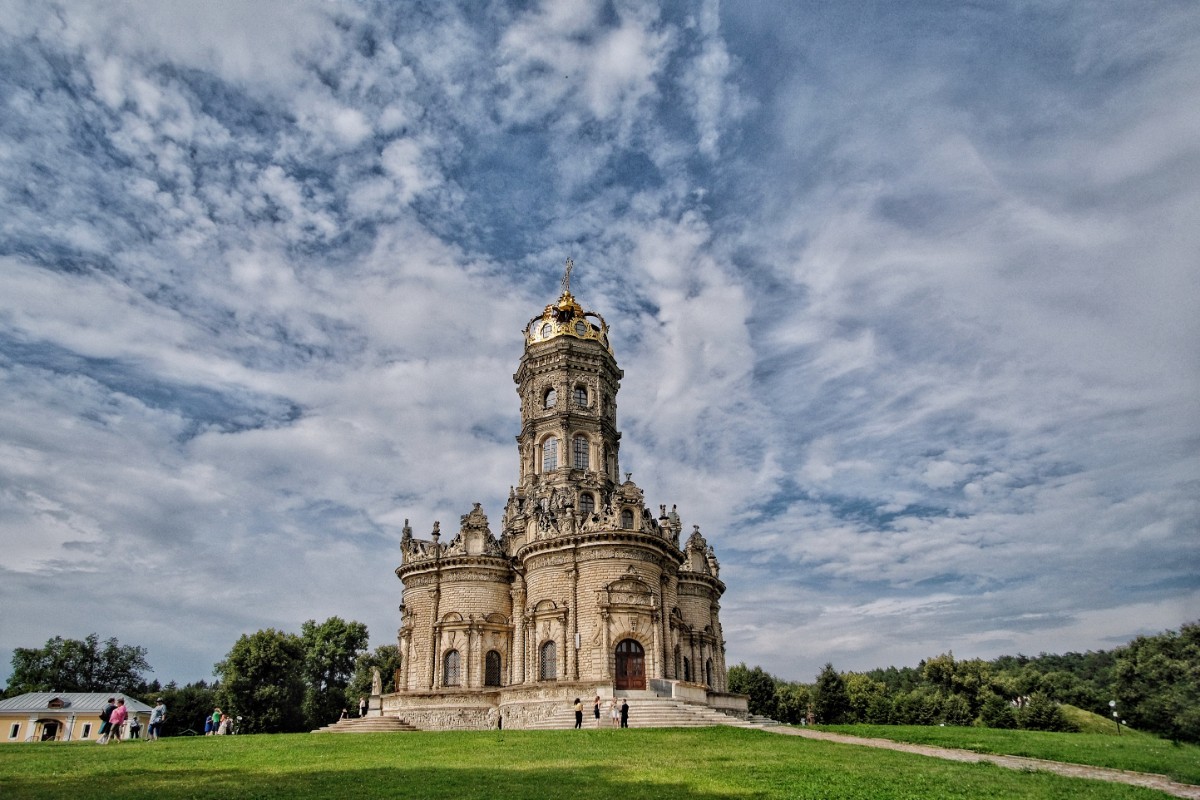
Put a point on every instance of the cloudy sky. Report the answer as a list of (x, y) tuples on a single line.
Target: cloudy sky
[(907, 296)]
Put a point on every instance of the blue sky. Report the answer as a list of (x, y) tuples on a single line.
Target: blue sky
[(906, 295)]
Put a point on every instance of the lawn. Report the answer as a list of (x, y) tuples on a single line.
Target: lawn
[(1135, 751), (654, 763)]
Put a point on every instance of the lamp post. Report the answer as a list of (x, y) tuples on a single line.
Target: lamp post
[(1116, 719)]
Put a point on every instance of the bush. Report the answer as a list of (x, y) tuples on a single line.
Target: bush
[(997, 713), (1043, 714)]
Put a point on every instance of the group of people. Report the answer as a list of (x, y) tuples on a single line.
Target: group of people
[(115, 717), (615, 713), (218, 723)]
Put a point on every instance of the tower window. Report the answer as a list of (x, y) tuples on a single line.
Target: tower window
[(587, 504), (491, 668), (550, 399), (626, 518), (549, 665), (581, 398), (581, 452), (450, 671), (550, 455)]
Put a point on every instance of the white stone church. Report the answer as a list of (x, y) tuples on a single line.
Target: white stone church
[(584, 591)]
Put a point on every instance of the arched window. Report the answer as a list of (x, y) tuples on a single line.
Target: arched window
[(491, 668), (450, 668), (550, 455), (708, 672), (626, 518), (581, 452), (550, 399), (687, 669), (587, 504), (581, 398), (549, 665)]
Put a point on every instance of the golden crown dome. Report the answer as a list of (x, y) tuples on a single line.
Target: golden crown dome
[(566, 317)]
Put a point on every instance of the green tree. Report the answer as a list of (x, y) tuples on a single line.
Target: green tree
[(74, 665), (792, 701), (187, 706), (1158, 683), (997, 712), (757, 683), (262, 681), (1040, 713), (830, 703), (331, 650), (956, 710), (866, 699)]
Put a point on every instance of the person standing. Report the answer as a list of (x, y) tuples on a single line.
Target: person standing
[(105, 723), (362, 706), (157, 715), (613, 713), (596, 710), (578, 713), (624, 713), (216, 720), (117, 719)]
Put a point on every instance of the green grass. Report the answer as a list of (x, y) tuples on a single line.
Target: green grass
[(1131, 750), (662, 763)]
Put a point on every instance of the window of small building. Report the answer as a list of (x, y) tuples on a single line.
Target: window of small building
[(626, 518), (550, 455), (581, 396), (491, 668), (708, 672), (15, 730), (581, 452), (450, 669), (549, 665), (87, 730), (587, 504), (549, 399), (687, 669)]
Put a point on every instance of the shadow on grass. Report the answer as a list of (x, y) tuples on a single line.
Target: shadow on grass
[(208, 782)]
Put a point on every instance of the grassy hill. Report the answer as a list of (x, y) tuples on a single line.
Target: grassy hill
[(600, 764)]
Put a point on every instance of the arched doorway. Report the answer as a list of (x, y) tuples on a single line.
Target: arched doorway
[(631, 665), (49, 730)]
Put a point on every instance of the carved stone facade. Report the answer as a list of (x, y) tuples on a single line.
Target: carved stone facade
[(585, 591)]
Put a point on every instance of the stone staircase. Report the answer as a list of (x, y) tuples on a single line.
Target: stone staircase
[(647, 710), (367, 725)]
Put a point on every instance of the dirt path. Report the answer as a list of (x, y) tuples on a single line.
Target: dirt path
[(1145, 779)]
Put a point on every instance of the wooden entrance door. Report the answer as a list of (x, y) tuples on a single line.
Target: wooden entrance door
[(631, 665)]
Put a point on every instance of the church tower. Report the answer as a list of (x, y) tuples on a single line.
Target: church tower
[(585, 591)]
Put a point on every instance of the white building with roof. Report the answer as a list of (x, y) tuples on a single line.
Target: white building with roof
[(62, 716)]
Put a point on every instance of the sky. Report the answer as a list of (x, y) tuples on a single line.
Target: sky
[(906, 295)]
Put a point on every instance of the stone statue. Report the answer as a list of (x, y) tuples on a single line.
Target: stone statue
[(376, 682)]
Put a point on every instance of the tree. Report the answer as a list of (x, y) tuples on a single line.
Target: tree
[(1158, 683), (331, 650), (757, 683), (262, 681), (187, 706), (73, 665), (831, 704), (386, 658), (864, 698), (997, 712), (1043, 714)]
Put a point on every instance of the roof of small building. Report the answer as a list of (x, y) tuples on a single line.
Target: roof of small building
[(73, 702)]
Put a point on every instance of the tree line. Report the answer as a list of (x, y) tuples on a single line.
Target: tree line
[(280, 682), (275, 681), (1155, 681)]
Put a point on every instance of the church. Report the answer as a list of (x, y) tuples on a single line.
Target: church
[(581, 589)]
